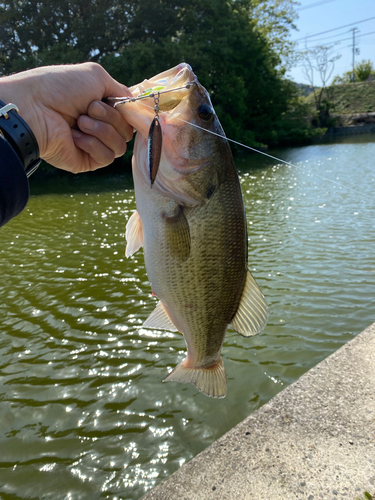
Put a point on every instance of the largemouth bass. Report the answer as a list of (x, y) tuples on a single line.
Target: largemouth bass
[(191, 223)]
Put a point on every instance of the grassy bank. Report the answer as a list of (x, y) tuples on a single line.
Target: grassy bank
[(351, 98)]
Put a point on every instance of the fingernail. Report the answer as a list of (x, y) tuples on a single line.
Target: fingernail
[(98, 110), (76, 133), (87, 123)]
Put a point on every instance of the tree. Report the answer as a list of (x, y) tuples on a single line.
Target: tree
[(233, 59), (33, 33), (275, 19), (236, 47), (321, 60), (364, 70)]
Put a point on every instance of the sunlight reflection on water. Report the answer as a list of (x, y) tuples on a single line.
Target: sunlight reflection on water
[(82, 406)]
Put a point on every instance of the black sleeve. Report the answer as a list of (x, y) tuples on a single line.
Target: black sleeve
[(14, 186)]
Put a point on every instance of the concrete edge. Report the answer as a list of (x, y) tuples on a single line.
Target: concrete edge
[(349, 130), (315, 439)]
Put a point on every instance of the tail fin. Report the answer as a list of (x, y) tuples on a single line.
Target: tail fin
[(210, 381)]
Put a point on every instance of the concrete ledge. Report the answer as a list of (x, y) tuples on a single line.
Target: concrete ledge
[(315, 439), (351, 130)]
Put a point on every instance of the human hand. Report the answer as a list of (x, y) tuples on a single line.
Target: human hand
[(62, 105)]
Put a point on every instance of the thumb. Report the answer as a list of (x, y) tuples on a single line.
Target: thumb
[(115, 89)]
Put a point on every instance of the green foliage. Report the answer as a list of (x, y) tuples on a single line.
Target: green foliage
[(233, 61), (238, 48), (294, 127), (349, 98), (362, 72), (274, 19), (367, 496), (84, 28)]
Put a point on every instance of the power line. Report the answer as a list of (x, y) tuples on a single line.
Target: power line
[(316, 4), (327, 37), (338, 41), (334, 29)]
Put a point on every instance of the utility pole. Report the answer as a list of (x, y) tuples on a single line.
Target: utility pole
[(355, 51)]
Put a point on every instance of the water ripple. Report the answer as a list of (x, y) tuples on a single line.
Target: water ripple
[(84, 413)]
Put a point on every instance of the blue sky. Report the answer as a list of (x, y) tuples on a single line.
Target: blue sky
[(316, 16)]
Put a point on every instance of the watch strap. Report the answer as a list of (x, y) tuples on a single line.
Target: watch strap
[(20, 136)]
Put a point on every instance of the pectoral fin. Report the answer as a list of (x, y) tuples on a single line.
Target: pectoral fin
[(159, 320), (134, 234), (251, 315), (178, 235), (211, 381)]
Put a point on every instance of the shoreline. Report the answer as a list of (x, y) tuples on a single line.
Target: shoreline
[(314, 440)]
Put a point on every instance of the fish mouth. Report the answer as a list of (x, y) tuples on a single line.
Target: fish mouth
[(170, 88), (173, 85), (173, 93), (167, 89)]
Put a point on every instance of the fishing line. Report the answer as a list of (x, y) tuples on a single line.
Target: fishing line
[(278, 159), (269, 156)]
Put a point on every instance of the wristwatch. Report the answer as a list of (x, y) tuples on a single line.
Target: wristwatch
[(20, 136)]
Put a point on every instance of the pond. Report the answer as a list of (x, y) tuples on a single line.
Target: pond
[(83, 411)]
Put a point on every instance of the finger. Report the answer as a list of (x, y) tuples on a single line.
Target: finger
[(113, 88), (99, 155), (108, 114), (104, 132)]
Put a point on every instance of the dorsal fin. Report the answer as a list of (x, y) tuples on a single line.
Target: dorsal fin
[(251, 315)]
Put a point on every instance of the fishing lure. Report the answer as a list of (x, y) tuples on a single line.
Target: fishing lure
[(155, 142)]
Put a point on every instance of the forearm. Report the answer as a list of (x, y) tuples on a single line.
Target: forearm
[(29, 91), (20, 89)]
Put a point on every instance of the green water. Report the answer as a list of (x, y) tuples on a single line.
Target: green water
[(83, 411)]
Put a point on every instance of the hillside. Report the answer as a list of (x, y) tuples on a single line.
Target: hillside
[(352, 98)]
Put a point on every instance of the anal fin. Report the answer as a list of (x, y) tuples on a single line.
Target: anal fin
[(159, 320), (210, 381), (251, 316), (134, 234)]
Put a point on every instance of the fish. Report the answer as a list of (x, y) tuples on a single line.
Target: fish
[(191, 222)]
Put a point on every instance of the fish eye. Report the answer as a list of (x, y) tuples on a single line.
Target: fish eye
[(205, 112)]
